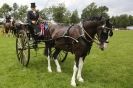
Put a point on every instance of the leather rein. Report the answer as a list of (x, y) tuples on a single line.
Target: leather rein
[(95, 39)]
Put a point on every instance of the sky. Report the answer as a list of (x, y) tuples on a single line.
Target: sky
[(116, 7)]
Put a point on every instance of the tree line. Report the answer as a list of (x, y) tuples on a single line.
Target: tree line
[(122, 21), (61, 14)]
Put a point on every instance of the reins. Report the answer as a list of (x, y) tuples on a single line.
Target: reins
[(95, 40)]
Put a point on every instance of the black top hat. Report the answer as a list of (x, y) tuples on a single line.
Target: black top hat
[(33, 5)]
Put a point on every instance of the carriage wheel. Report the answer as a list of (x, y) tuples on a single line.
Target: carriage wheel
[(62, 55), (23, 48)]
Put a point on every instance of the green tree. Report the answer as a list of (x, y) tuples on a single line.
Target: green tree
[(1, 14), (58, 13), (93, 10), (113, 20), (15, 10), (90, 10), (5, 9), (122, 21), (22, 12), (46, 13), (66, 18), (102, 10), (15, 6), (130, 20), (74, 17)]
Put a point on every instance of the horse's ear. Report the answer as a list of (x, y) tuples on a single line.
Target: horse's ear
[(108, 20), (111, 33)]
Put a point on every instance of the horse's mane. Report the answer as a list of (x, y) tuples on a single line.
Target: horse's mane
[(94, 18)]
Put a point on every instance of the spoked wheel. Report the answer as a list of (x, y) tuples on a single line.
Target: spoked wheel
[(23, 48), (61, 56)]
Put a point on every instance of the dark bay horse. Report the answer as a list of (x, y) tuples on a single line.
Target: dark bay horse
[(9, 27), (78, 40)]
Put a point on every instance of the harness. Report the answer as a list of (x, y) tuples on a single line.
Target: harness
[(67, 31), (95, 40), (66, 34)]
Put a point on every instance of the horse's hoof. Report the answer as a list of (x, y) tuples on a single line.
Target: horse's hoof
[(73, 84), (49, 70), (80, 79), (59, 70)]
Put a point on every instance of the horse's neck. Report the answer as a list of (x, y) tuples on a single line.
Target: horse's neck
[(90, 34)]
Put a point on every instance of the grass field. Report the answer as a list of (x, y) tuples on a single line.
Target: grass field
[(112, 68)]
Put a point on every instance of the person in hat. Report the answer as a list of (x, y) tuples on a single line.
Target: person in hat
[(32, 18), (33, 14)]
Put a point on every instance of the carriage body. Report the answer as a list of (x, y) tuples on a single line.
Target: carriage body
[(25, 42)]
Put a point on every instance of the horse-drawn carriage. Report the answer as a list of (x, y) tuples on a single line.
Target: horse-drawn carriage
[(25, 42), (75, 39)]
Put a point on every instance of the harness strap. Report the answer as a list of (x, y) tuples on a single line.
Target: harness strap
[(67, 31)]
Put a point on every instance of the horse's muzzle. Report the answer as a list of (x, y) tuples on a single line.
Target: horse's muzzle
[(103, 46)]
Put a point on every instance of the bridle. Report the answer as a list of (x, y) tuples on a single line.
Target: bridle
[(95, 39)]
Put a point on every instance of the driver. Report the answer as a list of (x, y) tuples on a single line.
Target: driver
[(32, 18)]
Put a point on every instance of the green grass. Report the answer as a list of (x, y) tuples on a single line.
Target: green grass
[(112, 68)]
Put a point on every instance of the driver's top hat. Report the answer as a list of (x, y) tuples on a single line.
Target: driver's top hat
[(33, 5)]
